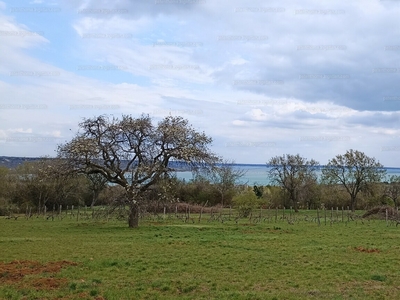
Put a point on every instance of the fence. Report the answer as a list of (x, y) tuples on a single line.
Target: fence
[(200, 214)]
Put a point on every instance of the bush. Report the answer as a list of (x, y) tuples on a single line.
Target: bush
[(246, 202), (6, 207)]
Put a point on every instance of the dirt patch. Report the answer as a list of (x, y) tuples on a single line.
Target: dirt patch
[(15, 272), (362, 249), (48, 283)]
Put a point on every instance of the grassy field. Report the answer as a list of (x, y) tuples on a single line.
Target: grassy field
[(170, 259)]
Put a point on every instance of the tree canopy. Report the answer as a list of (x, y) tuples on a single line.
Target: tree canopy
[(134, 153), (355, 171), (293, 174)]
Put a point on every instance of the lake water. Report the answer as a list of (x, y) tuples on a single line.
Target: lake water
[(258, 174)]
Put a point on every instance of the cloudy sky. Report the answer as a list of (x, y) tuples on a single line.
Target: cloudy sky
[(262, 78)]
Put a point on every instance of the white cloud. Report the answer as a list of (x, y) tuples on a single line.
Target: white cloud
[(184, 59), (257, 115), (20, 130)]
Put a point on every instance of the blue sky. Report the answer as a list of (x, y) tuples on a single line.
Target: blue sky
[(314, 78)]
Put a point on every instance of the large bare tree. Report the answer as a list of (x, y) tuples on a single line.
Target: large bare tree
[(135, 154), (293, 174), (355, 171)]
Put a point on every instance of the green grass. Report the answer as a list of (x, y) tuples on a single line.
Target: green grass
[(171, 259)]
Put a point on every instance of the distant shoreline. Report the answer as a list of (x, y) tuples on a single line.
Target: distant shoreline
[(14, 161)]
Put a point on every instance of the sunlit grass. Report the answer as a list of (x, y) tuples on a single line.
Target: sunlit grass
[(170, 259)]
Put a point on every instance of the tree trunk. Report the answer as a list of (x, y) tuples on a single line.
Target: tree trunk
[(93, 200), (293, 198), (353, 203), (295, 206), (133, 219)]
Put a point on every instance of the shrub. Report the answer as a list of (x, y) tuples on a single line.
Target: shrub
[(245, 202)]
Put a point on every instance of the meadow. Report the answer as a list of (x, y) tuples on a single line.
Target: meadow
[(173, 259)]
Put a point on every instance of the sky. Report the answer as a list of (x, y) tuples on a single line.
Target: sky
[(262, 78)]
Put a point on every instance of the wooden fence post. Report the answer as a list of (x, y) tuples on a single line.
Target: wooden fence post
[(337, 214), (387, 218), (342, 214)]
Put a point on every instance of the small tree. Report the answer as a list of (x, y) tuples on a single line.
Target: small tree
[(224, 177), (134, 154), (355, 171), (33, 186), (6, 188), (44, 182), (392, 189), (245, 202), (293, 174)]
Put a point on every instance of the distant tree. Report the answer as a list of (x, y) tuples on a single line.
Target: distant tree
[(134, 154), (310, 193), (65, 187), (3, 181), (44, 182), (293, 174), (30, 186), (355, 171), (97, 183), (198, 191), (5, 190), (224, 177), (392, 189)]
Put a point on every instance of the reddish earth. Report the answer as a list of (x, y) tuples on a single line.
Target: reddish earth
[(362, 249), (14, 273)]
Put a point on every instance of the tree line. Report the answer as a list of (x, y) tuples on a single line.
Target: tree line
[(127, 162)]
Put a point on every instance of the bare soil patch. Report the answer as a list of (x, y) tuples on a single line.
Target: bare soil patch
[(16, 273), (362, 249)]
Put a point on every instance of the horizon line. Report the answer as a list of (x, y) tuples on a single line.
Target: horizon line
[(250, 164)]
